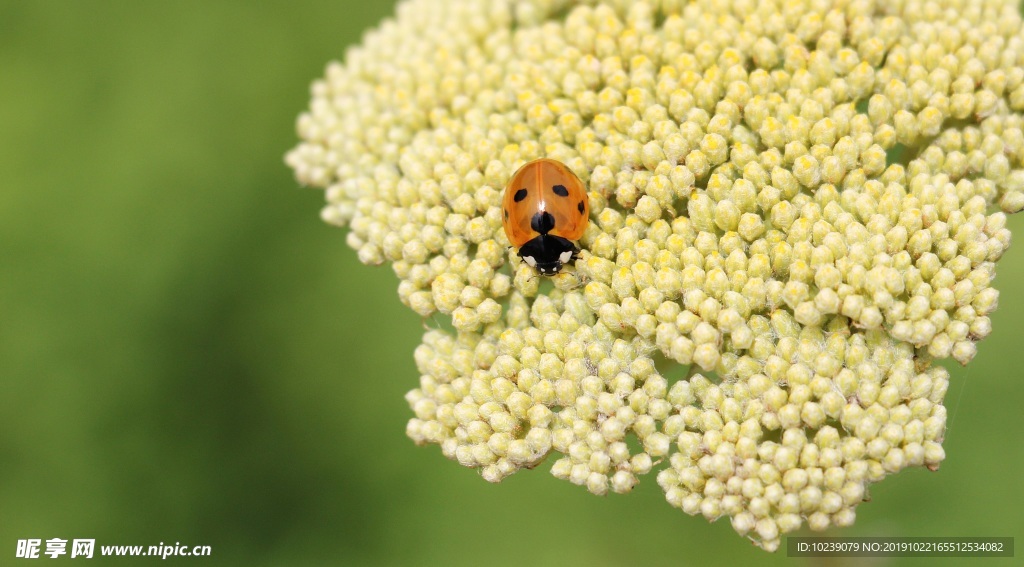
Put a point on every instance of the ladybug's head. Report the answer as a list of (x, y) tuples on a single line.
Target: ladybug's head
[(545, 268), (547, 254)]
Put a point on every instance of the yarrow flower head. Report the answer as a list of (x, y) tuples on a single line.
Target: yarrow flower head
[(800, 201)]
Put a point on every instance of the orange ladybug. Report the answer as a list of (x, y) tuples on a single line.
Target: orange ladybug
[(545, 207)]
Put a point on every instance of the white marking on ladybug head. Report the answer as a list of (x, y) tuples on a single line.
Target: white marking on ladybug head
[(565, 257), (530, 261)]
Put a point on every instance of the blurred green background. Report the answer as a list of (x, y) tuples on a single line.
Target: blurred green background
[(187, 354)]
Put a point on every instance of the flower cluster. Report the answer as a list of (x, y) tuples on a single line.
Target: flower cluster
[(802, 202)]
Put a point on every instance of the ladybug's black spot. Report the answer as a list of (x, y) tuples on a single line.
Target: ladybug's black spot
[(542, 222), (560, 190), (506, 213), (579, 207), (520, 195)]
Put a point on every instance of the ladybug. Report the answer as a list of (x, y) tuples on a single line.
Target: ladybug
[(544, 209)]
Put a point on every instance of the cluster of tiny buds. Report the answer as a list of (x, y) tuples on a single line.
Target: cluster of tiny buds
[(796, 208)]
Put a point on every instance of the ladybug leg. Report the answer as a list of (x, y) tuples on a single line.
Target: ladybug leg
[(518, 255)]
